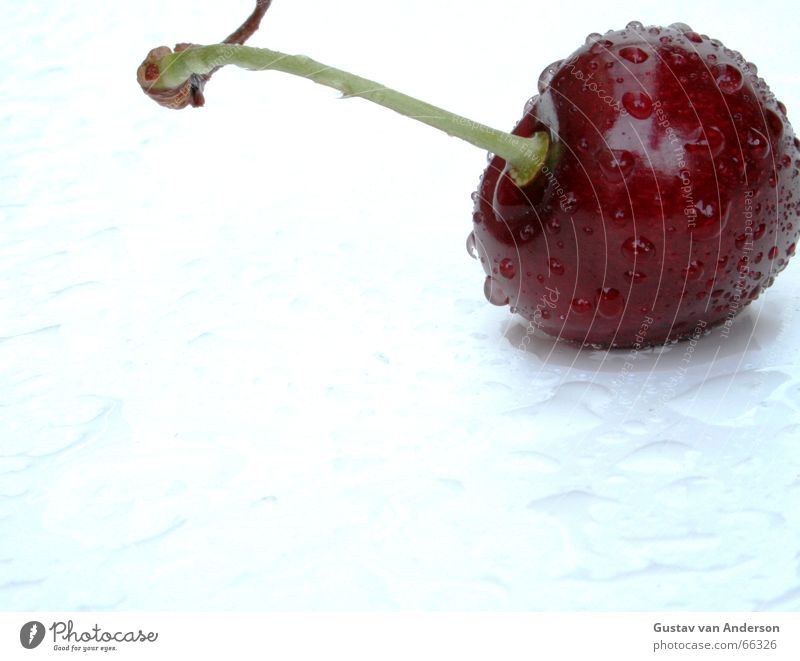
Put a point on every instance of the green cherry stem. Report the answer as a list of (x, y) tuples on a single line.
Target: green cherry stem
[(165, 71)]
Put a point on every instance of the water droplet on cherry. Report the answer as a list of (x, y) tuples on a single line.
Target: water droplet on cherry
[(600, 46), (494, 294), (610, 302), (775, 123), (757, 143), (694, 271), (619, 217), (526, 233), (507, 268), (615, 164), (547, 75), (638, 104), (709, 140), (633, 54), (569, 203), (708, 221), (740, 240), (581, 305), (729, 78), (472, 246), (638, 248), (556, 267), (634, 277)]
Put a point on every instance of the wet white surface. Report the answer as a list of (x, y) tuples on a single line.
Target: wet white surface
[(239, 374)]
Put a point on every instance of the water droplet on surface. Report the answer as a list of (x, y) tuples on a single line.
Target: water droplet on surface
[(729, 78), (581, 305), (677, 59), (790, 250), (569, 203), (759, 231), (775, 123), (634, 277), (638, 248), (693, 37), (757, 143), (593, 37), (553, 227), (547, 75), (711, 57), (634, 25), (615, 164), (600, 46), (681, 27), (472, 246), (556, 267), (588, 230), (610, 303), (619, 217), (708, 221), (638, 104), (654, 31), (526, 233), (773, 252), (494, 294), (507, 268), (633, 54), (707, 140), (740, 240), (477, 217), (694, 271)]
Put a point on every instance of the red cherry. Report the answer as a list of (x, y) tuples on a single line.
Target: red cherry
[(672, 154)]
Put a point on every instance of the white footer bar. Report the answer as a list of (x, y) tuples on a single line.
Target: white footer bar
[(400, 636)]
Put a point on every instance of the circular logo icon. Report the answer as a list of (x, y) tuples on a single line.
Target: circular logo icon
[(31, 635)]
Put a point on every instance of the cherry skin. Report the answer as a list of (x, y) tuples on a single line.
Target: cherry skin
[(669, 200)]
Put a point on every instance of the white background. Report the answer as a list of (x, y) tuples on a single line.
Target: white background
[(246, 362)]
